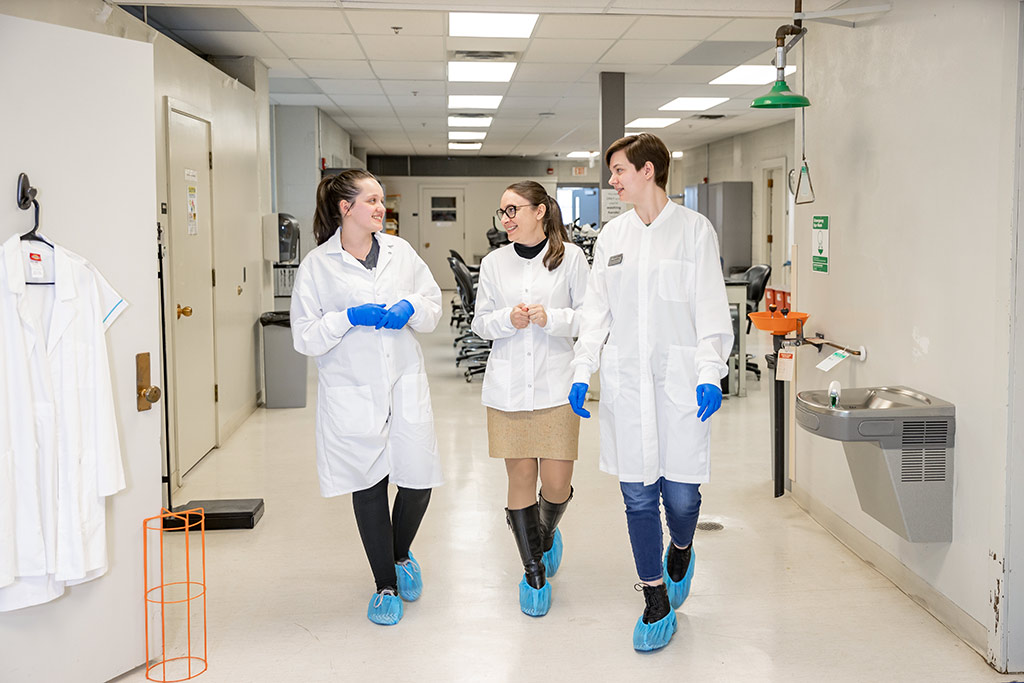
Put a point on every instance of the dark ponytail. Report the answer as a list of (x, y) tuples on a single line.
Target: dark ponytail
[(535, 193), (329, 194)]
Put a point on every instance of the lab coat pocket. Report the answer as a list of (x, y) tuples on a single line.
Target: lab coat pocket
[(415, 393), (681, 376), (349, 410), (495, 390), (675, 280), (610, 384)]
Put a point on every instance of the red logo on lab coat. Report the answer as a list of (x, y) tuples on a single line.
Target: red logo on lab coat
[(35, 257)]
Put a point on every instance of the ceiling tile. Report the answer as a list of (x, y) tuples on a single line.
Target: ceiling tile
[(549, 72), (749, 29), (433, 103), (282, 68), (199, 19), (298, 20), (566, 50), (593, 26), (317, 45), (409, 70), (674, 28), (302, 100), (537, 104), (407, 87), (343, 86), (725, 52), (647, 51), (399, 48), (232, 43), (517, 89), (335, 68), (350, 101), (682, 74), (295, 86), (413, 23)]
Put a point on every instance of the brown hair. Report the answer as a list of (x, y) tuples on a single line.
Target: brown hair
[(535, 193), (640, 149), (329, 194)]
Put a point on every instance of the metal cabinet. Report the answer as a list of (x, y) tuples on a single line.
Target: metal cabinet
[(729, 207)]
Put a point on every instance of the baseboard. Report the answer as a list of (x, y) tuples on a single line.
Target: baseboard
[(959, 622)]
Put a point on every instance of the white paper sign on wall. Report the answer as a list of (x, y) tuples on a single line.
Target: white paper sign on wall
[(192, 211), (611, 205)]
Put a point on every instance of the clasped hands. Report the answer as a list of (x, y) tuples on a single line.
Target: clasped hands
[(522, 315), (376, 316)]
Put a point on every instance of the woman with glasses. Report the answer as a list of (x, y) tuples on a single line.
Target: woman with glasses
[(527, 300)]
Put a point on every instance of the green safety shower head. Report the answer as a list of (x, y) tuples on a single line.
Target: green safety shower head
[(780, 97)]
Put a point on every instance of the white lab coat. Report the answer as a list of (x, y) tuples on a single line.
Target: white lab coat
[(59, 449), (373, 416), (529, 369), (657, 294)]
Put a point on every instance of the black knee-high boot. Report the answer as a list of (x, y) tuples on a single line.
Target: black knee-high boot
[(550, 515), (525, 525)]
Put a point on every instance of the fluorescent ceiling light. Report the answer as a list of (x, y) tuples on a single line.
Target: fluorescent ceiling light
[(692, 103), (491, 25), (651, 123), (581, 155), (466, 135), (469, 121), (474, 101), (751, 74), (481, 72), (465, 145), (677, 155)]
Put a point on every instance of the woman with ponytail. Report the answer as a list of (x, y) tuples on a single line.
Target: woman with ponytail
[(527, 300), (358, 298)]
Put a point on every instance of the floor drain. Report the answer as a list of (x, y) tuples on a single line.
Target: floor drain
[(709, 526)]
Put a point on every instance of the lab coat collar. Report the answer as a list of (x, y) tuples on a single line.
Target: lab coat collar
[(63, 311), (333, 246), (660, 219)]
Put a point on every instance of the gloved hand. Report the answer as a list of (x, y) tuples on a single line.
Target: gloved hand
[(709, 399), (397, 316), (367, 315), (577, 395)]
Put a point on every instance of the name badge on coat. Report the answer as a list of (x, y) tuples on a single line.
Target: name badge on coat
[(615, 260)]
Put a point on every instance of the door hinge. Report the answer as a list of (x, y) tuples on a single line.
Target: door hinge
[(216, 393), (771, 181), (211, 161), (769, 239), (213, 276)]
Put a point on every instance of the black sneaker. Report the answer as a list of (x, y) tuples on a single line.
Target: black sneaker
[(656, 598), (678, 561)]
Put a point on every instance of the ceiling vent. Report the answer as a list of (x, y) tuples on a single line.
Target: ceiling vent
[(709, 117), (482, 56)]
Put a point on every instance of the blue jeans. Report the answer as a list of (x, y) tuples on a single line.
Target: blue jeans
[(643, 519)]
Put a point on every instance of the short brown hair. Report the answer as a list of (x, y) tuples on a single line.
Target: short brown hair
[(639, 150)]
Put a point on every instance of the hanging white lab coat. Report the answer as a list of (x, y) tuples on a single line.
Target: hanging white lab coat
[(657, 294), (529, 369), (59, 449), (373, 415)]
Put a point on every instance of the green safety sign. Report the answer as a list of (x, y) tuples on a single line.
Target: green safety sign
[(819, 244)]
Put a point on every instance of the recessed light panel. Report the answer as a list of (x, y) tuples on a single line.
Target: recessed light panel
[(474, 101), (466, 135), (491, 25), (677, 155), (581, 155), (481, 72), (651, 123), (692, 103), (751, 74), (470, 121), (465, 145)]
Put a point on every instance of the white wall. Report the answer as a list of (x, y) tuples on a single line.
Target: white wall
[(335, 143), (911, 134)]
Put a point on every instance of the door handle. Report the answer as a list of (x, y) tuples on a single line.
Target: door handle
[(184, 311), (426, 245), (145, 393)]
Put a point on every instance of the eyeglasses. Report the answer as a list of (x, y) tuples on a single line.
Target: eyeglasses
[(510, 211)]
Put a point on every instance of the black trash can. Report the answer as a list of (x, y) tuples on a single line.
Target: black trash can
[(284, 368)]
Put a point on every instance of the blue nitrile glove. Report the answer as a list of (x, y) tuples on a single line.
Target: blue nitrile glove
[(709, 399), (577, 395), (367, 315), (397, 316)]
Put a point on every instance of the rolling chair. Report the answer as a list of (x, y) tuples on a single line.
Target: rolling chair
[(473, 349), (757, 280)]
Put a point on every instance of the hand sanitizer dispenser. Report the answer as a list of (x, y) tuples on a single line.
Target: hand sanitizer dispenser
[(281, 248)]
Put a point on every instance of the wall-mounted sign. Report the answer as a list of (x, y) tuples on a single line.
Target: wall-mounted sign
[(611, 205), (579, 170), (192, 210), (819, 244)]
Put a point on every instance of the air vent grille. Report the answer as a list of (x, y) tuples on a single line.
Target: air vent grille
[(924, 451), (925, 432), (709, 117), (483, 56)]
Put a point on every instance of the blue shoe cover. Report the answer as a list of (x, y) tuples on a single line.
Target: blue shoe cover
[(410, 581), (534, 601), (679, 590), (648, 637), (553, 558), (385, 608)]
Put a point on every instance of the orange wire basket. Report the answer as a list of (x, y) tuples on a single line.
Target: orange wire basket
[(776, 323), (178, 600)]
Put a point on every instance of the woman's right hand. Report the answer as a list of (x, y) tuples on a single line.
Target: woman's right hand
[(520, 317), (367, 315)]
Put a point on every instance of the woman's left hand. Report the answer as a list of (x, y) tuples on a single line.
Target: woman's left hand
[(538, 316)]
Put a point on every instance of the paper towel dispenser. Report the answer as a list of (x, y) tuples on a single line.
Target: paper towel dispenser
[(280, 237)]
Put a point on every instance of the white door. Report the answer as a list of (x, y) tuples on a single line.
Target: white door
[(442, 227), (80, 123), (190, 252)]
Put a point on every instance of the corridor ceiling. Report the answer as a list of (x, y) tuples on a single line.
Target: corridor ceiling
[(378, 68)]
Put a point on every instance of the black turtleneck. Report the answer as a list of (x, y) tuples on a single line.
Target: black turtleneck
[(530, 252)]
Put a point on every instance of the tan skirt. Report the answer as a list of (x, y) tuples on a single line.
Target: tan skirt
[(552, 433)]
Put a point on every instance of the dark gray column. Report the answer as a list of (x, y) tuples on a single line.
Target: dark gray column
[(611, 118)]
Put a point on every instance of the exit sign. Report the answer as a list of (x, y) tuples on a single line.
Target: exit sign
[(579, 170)]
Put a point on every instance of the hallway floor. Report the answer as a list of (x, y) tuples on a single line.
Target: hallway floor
[(775, 597)]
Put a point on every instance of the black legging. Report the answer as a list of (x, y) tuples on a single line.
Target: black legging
[(387, 538)]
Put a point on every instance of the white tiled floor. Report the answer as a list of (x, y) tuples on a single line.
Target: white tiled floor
[(775, 597)]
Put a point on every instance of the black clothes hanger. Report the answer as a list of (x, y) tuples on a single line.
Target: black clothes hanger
[(27, 198)]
